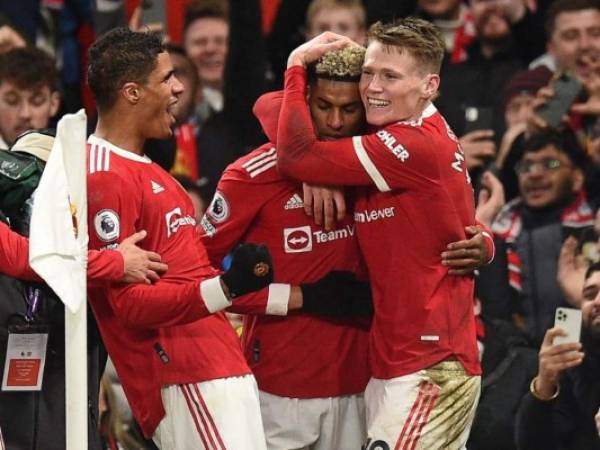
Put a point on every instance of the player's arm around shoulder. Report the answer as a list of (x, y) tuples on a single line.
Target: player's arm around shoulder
[(399, 156)]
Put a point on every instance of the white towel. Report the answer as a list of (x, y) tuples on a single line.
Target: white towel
[(55, 253)]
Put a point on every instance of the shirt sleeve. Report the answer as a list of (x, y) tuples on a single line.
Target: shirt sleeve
[(229, 215), (489, 241), (388, 160), (222, 232), (14, 255), (267, 109), (166, 304), (105, 266), (272, 300), (14, 259)]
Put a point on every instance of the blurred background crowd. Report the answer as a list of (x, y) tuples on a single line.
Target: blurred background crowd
[(520, 87)]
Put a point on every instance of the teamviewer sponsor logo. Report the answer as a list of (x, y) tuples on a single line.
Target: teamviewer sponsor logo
[(297, 240)]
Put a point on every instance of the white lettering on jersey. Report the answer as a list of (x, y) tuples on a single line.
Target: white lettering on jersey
[(390, 142), (459, 159), (107, 225), (297, 240), (218, 210), (208, 227), (175, 221), (343, 233), (373, 215)]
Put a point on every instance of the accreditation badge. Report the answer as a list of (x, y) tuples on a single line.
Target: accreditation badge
[(25, 361)]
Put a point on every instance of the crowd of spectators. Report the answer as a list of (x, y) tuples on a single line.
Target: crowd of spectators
[(503, 79)]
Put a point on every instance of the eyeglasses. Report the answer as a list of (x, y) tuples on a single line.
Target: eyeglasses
[(546, 165)]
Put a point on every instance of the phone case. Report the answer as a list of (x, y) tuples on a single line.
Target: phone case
[(568, 319), (566, 89), (478, 119)]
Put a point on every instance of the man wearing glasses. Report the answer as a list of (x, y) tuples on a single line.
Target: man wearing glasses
[(531, 228)]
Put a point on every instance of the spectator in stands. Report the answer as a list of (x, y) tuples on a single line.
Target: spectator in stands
[(518, 103), (530, 230), (203, 148), (345, 17), (206, 42), (469, 91), (29, 92), (573, 30), (558, 412), (455, 21)]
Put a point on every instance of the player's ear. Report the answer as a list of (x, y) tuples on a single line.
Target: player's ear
[(430, 85), (132, 92)]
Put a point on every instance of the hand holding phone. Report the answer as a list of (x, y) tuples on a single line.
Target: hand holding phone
[(566, 90), (569, 320)]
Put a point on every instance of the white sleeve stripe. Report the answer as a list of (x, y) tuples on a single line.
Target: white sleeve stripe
[(106, 166), (258, 157), (490, 259), (368, 165), (263, 161), (279, 296), (263, 169), (213, 296), (99, 155)]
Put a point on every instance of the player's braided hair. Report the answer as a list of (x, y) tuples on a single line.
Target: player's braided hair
[(341, 65), (118, 57)]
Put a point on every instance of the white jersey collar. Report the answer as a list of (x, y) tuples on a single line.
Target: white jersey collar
[(429, 111), (93, 139)]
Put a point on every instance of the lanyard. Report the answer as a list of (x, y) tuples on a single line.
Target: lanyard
[(32, 297)]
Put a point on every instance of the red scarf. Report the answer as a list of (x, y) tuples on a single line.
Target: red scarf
[(509, 223)]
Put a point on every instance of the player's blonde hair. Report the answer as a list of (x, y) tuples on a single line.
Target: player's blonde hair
[(344, 64), (420, 38)]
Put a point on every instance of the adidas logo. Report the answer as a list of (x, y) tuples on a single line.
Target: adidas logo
[(156, 188), (294, 202)]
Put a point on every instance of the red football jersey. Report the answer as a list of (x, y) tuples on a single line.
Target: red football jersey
[(152, 333), (14, 260), (416, 198), (298, 356)]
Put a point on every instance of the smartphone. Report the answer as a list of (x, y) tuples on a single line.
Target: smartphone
[(478, 118), (566, 90), (569, 320)]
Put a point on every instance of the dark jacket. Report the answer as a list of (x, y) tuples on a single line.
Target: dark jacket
[(36, 420), (535, 248), (508, 366), (566, 423)]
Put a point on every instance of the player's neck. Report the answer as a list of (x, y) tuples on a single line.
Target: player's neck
[(119, 133)]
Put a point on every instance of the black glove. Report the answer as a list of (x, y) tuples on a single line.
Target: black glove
[(251, 269), (338, 294)]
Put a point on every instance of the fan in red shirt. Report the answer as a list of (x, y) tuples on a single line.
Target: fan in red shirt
[(176, 355), (414, 197)]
